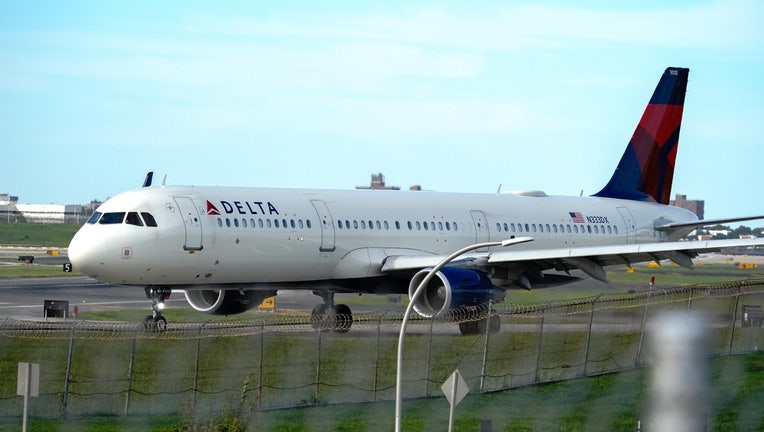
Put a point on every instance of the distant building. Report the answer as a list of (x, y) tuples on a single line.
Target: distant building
[(378, 183), (12, 211), (696, 206)]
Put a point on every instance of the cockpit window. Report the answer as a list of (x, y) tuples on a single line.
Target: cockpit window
[(149, 219), (94, 217), (133, 219), (112, 218)]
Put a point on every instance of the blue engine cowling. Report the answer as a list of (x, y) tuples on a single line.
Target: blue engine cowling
[(225, 302), (450, 288)]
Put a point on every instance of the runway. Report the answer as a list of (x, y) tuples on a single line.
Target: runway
[(24, 298)]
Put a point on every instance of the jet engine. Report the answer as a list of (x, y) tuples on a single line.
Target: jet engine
[(450, 288), (226, 302)]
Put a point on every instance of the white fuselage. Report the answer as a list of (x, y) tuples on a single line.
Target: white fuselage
[(210, 236)]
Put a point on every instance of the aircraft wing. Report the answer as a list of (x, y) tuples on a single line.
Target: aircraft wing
[(702, 223), (590, 259)]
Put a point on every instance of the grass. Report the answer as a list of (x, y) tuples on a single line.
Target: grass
[(28, 234), (613, 402)]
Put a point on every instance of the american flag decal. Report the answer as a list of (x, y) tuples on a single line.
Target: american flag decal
[(576, 217)]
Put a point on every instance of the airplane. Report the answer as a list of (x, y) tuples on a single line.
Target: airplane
[(229, 248)]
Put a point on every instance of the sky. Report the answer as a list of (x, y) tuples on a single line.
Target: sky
[(452, 96)]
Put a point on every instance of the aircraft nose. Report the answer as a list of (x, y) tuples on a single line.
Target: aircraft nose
[(87, 252)]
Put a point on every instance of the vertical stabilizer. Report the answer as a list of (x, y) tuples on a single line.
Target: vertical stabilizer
[(646, 169)]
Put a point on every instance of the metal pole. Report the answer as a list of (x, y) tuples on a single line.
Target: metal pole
[(65, 395), (485, 346), (734, 321), (28, 367), (318, 368), (644, 322), (589, 335), (260, 369), (129, 379), (412, 300)]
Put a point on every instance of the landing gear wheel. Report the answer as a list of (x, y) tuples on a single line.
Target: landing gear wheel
[(490, 325), (469, 328), (323, 317), (160, 323), (344, 318), (157, 295)]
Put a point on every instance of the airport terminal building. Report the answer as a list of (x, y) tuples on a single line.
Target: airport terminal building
[(13, 212)]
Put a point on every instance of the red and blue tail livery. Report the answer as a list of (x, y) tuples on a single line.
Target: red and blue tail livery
[(646, 169)]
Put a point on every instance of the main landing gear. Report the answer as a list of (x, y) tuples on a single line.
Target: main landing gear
[(328, 316), (156, 321), (490, 324)]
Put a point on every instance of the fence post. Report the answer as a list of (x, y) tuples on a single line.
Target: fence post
[(130, 377), (734, 321), (65, 394), (539, 342), (260, 371), (318, 368), (429, 361), (196, 368), (485, 346), (376, 359), (644, 323), (589, 335)]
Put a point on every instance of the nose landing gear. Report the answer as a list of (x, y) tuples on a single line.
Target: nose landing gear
[(156, 321)]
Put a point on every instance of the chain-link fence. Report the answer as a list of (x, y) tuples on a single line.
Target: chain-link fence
[(104, 368)]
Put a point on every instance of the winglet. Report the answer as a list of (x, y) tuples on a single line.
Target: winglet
[(646, 169)]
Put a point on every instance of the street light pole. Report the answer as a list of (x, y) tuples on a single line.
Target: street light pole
[(417, 292)]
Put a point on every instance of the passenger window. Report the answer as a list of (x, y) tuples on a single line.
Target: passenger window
[(440, 226), (307, 223), (409, 225), (268, 223), (355, 224), (244, 222), (339, 224), (426, 228), (418, 226), (228, 222), (133, 219), (448, 226), (387, 225), (291, 223), (379, 225), (94, 218), (112, 218), (299, 222), (456, 227), (236, 223), (220, 223), (498, 227), (397, 225), (276, 223)]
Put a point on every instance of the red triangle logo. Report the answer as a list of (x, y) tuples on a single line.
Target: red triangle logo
[(212, 210)]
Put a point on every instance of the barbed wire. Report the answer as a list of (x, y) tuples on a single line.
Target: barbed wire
[(301, 323)]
